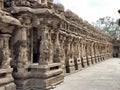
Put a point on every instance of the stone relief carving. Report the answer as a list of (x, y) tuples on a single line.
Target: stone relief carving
[(62, 49), (58, 51), (44, 47), (44, 52), (21, 53), (50, 49), (5, 57)]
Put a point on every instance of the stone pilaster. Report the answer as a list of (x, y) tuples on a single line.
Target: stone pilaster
[(5, 68), (5, 51), (21, 49), (44, 47), (62, 39), (70, 65), (77, 58)]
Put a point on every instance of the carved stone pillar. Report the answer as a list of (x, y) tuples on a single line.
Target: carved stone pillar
[(21, 62), (20, 40), (5, 68), (77, 57), (62, 43), (75, 50), (68, 42), (92, 52), (92, 48), (57, 49), (86, 49), (51, 50), (99, 59), (89, 57), (79, 48), (67, 53), (97, 52), (21, 49), (87, 52), (101, 52), (82, 48), (104, 51), (72, 49), (5, 51), (84, 58), (70, 65), (44, 47)]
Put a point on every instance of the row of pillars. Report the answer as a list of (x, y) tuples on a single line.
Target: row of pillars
[(66, 48), (79, 50), (61, 47)]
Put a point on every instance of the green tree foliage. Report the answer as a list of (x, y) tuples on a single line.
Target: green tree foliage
[(108, 25)]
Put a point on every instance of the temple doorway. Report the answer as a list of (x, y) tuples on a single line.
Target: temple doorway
[(35, 44)]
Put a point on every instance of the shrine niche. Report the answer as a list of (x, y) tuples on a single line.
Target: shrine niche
[(40, 43)]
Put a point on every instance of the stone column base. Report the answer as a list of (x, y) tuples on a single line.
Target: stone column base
[(103, 57), (96, 59), (6, 79), (40, 77), (89, 59), (99, 59), (93, 60), (84, 62), (70, 66), (70, 69), (78, 65), (64, 71), (10, 86)]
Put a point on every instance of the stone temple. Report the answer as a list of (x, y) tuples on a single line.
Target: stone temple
[(40, 43)]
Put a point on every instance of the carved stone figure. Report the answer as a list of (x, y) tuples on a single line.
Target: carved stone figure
[(5, 57), (44, 47), (44, 52), (23, 56), (21, 53), (50, 49)]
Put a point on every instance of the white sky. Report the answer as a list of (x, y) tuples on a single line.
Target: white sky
[(92, 10)]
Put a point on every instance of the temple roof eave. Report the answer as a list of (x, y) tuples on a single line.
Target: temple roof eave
[(30, 10), (7, 19), (10, 20)]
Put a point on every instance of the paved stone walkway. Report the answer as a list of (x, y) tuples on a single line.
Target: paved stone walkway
[(102, 76)]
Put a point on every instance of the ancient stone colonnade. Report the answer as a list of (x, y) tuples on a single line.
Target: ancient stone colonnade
[(40, 42)]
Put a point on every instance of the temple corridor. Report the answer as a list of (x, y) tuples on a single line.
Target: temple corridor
[(101, 76)]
